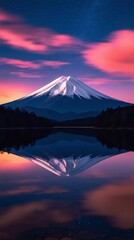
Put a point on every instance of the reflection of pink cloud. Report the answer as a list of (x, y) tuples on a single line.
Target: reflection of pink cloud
[(11, 162), (54, 189), (28, 180), (43, 212), (28, 189), (20, 35), (109, 168), (114, 56), (19, 212), (113, 201), (19, 190)]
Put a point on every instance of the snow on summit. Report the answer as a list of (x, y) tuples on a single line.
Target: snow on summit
[(68, 86)]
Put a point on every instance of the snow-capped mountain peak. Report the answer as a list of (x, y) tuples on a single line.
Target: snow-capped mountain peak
[(66, 98), (68, 86)]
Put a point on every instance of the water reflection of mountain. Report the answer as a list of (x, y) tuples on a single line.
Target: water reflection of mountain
[(69, 152), (66, 153)]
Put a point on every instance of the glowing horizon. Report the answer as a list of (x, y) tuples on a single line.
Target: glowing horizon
[(10, 92)]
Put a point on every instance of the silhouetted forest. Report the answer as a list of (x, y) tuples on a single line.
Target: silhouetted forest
[(121, 117), (17, 118), (114, 118)]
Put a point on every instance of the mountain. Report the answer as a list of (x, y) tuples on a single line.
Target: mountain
[(66, 154), (66, 98)]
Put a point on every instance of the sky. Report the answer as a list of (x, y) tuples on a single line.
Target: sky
[(92, 40)]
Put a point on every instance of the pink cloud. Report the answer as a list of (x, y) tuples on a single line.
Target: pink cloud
[(32, 64), (54, 64), (116, 55), (6, 17), (26, 75), (110, 87), (96, 81), (20, 35), (20, 63), (18, 38), (61, 40), (103, 81)]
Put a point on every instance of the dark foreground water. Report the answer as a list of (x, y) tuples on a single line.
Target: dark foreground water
[(66, 185)]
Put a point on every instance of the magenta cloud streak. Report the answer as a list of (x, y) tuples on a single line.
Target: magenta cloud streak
[(115, 56), (32, 64), (16, 33)]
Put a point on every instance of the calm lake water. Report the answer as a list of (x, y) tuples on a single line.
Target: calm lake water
[(66, 185)]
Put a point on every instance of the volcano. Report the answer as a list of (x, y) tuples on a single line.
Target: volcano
[(66, 98)]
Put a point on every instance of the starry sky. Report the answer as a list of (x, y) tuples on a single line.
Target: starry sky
[(92, 40)]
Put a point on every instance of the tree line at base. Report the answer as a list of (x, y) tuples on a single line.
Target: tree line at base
[(16, 118), (121, 117), (115, 118)]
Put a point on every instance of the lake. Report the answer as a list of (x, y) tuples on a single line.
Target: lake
[(66, 184)]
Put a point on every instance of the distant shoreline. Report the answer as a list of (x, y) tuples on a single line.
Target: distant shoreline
[(70, 127)]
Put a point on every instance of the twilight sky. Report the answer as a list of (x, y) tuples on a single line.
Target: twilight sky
[(92, 40)]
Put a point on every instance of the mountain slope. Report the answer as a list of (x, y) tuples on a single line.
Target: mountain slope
[(66, 96), (70, 87)]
